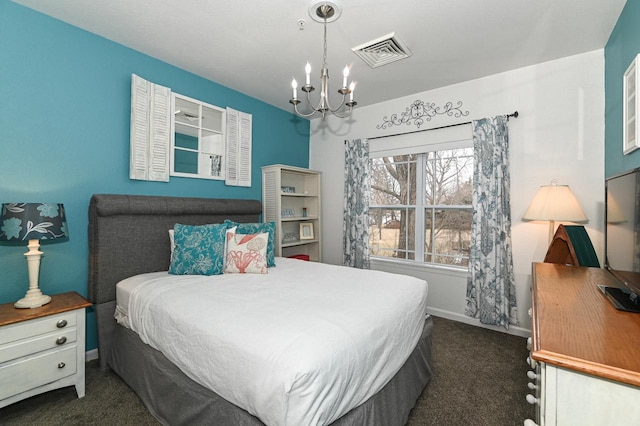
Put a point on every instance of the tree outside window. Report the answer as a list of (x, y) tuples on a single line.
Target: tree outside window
[(429, 191)]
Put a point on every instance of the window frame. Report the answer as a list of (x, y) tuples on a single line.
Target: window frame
[(199, 128), (421, 207), (152, 136)]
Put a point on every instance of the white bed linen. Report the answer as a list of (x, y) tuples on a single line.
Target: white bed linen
[(301, 345), (123, 294)]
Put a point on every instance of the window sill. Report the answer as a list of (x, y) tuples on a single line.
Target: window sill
[(388, 264)]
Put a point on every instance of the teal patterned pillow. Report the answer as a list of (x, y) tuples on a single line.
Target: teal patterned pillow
[(199, 249), (258, 228)]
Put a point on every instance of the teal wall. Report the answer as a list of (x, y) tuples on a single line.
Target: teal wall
[(622, 48), (64, 135)]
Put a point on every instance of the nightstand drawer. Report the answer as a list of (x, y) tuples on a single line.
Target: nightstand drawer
[(31, 328), (33, 345), (31, 372)]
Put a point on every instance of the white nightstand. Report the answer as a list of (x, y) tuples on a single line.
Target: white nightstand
[(43, 348)]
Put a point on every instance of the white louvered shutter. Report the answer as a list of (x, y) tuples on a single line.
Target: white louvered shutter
[(159, 134), (231, 176), (244, 163), (138, 168), (150, 130), (238, 148)]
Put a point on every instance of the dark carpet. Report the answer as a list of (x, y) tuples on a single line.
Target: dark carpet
[(479, 379)]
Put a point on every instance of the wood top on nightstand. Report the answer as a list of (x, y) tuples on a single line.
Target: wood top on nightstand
[(62, 302)]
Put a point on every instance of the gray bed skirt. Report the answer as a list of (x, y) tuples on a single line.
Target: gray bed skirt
[(174, 399)]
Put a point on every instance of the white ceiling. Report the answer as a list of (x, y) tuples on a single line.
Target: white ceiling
[(256, 47)]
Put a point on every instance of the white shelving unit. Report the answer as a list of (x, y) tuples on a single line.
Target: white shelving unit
[(291, 199)]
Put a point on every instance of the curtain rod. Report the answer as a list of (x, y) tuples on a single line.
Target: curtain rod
[(514, 115)]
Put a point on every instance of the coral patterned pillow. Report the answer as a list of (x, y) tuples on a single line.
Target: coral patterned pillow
[(257, 228), (246, 253)]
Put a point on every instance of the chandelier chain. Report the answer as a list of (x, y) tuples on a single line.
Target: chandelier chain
[(324, 50)]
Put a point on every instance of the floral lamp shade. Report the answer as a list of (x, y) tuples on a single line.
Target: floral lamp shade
[(33, 222)]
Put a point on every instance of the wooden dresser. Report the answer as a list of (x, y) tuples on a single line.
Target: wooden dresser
[(43, 348), (585, 353)]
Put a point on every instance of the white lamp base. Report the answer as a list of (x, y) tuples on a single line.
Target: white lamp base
[(34, 297)]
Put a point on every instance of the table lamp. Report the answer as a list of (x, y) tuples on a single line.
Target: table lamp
[(32, 222), (555, 203)]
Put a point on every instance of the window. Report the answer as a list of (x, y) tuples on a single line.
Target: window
[(173, 135), (197, 143), (421, 206)]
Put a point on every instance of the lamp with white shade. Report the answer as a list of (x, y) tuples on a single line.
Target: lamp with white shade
[(555, 203), (32, 222)]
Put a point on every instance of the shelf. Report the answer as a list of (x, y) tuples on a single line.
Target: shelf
[(299, 218), (299, 243), (289, 194)]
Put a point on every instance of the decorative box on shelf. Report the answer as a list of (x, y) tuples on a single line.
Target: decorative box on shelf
[(290, 237), (299, 256)]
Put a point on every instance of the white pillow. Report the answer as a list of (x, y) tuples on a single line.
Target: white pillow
[(246, 253)]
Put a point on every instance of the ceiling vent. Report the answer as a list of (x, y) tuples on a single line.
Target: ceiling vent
[(383, 50)]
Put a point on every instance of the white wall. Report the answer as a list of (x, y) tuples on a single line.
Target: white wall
[(558, 135)]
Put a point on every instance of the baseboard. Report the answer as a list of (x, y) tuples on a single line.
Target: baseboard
[(515, 330), (91, 355)]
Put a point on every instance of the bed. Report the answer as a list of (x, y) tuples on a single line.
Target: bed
[(128, 237)]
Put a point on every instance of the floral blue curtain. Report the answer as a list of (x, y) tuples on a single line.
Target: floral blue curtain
[(491, 295), (357, 193)]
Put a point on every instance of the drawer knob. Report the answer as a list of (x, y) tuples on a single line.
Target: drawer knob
[(531, 386), (61, 340), (530, 422), (532, 375), (61, 365), (61, 323), (532, 399)]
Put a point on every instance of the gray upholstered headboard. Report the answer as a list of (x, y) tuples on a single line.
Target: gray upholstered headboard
[(128, 235)]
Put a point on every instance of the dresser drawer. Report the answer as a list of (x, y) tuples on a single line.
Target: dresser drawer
[(39, 343), (31, 372), (23, 330)]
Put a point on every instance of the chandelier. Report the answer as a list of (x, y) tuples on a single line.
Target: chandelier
[(324, 11)]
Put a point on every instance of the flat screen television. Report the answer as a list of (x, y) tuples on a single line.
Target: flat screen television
[(622, 238)]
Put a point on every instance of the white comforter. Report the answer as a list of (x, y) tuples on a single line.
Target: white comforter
[(301, 345)]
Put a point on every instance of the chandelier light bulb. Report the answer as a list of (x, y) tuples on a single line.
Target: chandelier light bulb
[(352, 88), (345, 74), (307, 70), (294, 86)]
